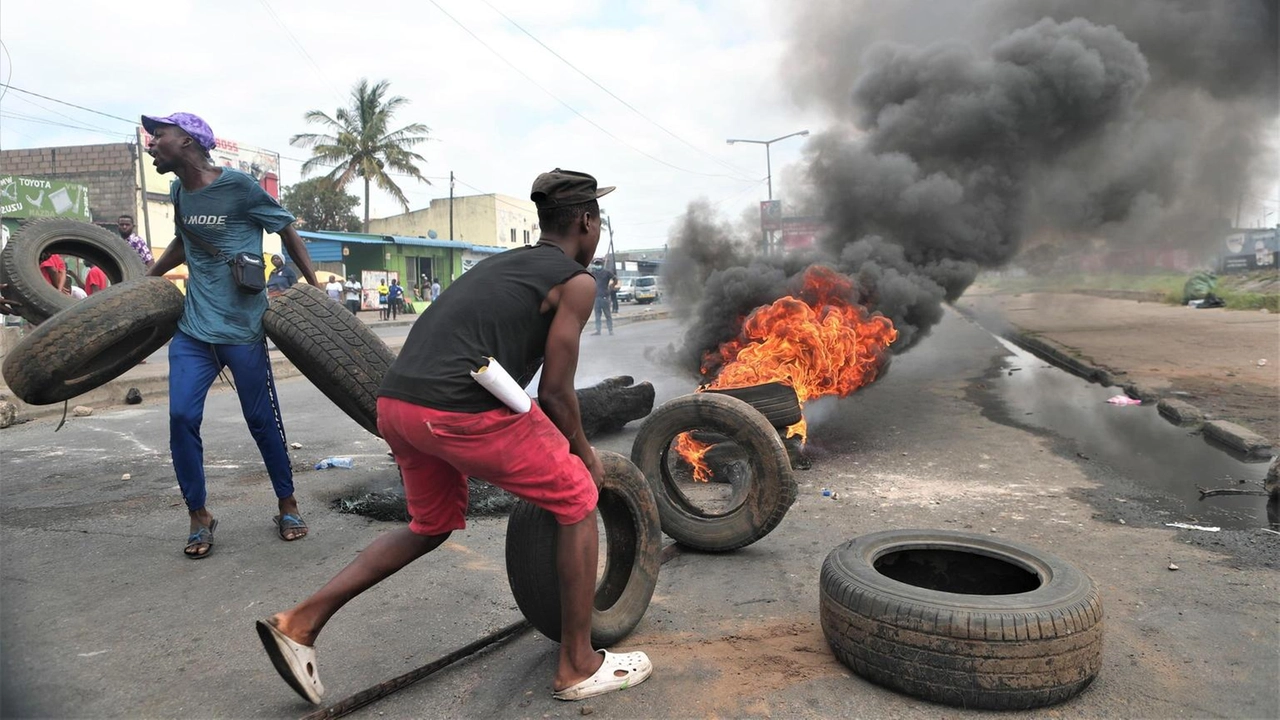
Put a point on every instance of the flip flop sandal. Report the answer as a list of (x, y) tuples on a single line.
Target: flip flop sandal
[(296, 663), (203, 536), (635, 667), (289, 521)]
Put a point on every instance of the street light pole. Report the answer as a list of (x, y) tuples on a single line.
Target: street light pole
[(768, 164)]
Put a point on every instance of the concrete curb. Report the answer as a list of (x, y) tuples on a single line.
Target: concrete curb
[(1047, 350), (157, 385), (1180, 412), (1238, 438)]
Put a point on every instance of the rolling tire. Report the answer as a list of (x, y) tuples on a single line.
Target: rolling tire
[(634, 539), (993, 651), (20, 262), (768, 495), (775, 401), (94, 341), (330, 346)]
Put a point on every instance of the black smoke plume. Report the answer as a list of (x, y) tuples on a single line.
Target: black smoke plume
[(964, 128)]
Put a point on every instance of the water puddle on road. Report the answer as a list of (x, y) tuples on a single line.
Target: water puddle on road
[(1160, 459)]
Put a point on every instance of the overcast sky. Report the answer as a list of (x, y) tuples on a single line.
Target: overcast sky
[(705, 71)]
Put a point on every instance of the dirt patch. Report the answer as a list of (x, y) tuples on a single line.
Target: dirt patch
[(729, 671)]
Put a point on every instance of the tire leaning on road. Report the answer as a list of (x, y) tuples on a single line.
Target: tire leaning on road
[(20, 262), (917, 611), (771, 488), (335, 350), (94, 341), (634, 549)]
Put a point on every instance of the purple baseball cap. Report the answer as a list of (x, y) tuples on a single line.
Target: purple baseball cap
[(197, 128)]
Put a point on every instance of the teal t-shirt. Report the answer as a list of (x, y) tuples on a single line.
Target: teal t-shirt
[(230, 213)]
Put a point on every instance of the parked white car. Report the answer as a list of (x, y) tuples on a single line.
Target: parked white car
[(647, 290)]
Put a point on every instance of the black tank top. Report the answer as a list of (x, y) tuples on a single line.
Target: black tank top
[(491, 310)]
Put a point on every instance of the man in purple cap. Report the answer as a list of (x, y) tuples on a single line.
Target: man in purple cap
[(525, 308), (225, 210)]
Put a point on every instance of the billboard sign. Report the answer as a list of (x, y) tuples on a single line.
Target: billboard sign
[(770, 214), (22, 197)]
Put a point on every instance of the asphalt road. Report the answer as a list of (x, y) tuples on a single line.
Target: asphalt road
[(101, 616)]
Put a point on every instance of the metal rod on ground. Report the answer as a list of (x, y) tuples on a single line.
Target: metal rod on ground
[(350, 704)]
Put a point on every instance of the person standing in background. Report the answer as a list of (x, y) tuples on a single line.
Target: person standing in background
[(395, 298), (125, 226), (351, 288), (94, 280), (334, 289), (282, 277), (435, 289)]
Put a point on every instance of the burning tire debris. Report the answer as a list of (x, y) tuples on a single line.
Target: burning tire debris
[(753, 504)]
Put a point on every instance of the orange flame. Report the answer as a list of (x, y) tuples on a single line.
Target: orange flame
[(819, 343), (693, 451)]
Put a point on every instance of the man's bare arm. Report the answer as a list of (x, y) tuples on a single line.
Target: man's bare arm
[(172, 257), (298, 252), (556, 395)]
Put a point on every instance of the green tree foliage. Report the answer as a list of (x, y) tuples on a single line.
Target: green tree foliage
[(358, 142), (319, 205)]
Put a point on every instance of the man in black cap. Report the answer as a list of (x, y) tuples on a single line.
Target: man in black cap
[(524, 308)]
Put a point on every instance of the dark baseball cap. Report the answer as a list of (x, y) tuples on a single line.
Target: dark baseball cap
[(192, 125), (565, 187)]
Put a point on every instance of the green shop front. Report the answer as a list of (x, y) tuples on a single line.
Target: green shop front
[(375, 259)]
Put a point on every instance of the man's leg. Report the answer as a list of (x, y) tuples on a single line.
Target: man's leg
[(377, 562), (598, 309), (576, 549), (251, 368), (608, 315), (436, 495), (192, 369)]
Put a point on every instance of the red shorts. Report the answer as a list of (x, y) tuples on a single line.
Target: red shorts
[(524, 454)]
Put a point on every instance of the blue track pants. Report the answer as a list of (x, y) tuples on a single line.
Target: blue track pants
[(193, 366)]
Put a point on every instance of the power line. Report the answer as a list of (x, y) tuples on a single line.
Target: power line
[(572, 109), (8, 79), (610, 93), (68, 104), (43, 121), (68, 117), (300, 48)]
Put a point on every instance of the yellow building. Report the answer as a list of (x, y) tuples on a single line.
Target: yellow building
[(496, 220)]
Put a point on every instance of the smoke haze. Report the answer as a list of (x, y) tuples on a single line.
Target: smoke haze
[(961, 129)]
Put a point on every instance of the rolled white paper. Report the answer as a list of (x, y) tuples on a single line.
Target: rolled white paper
[(494, 378)]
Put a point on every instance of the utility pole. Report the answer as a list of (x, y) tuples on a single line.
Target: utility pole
[(451, 205), (142, 181), (613, 263), (768, 164)]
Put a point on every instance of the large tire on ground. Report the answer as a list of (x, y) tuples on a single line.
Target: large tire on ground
[(20, 262), (94, 341), (768, 494), (634, 539), (775, 401), (335, 350), (962, 619)]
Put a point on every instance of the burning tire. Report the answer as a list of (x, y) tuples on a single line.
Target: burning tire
[(775, 401), (757, 503), (332, 348), (20, 262), (634, 548), (94, 341), (962, 619)]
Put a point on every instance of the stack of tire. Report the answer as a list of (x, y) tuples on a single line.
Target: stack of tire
[(80, 345)]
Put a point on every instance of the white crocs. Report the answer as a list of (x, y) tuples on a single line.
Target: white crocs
[(635, 667), (296, 663)]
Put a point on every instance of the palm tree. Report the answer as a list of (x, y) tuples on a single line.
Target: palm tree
[(360, 145)]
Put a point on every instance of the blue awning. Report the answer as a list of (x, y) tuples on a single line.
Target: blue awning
[(350, 238)]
